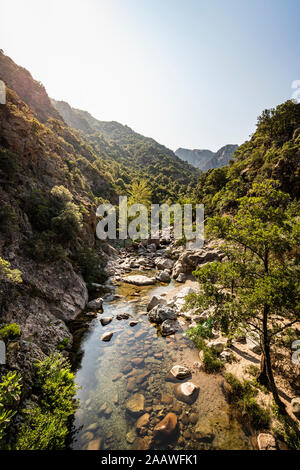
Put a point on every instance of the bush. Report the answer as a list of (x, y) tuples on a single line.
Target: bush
[(8, 165), (10, 390), (68, 223), (46, 425), (211, 362), (9, 332), (43, 247), (243, 394), (8, 219), (88, 262)]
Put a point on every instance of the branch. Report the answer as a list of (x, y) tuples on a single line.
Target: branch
[(283, 328)]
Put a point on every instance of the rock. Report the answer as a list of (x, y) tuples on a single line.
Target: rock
[(169, 327), (107, 336), (108, 412), (154, 301), (161, 313), (203, 432), (95, 304), (193, 418), (136, 404), (166, 399), (163, 276), (151, 247), (105, 320), (133, 323), (95, 444), (137, 361), (295, 404), (217, 344), (226, 356), (131, 436), (181, 277), (253, 343), (178, 373), (266, 441), (92, 427), (142, 443), (163, 263), (139, 280), (142, 422), (166, 429), (122, 316), (187, 392)]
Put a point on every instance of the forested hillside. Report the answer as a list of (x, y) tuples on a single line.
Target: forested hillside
[(133, 156)]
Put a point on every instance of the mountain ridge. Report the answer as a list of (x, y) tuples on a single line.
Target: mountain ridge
[(206, 159)]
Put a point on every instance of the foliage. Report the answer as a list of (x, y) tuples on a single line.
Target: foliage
[(43, 247), (45, 425), (8, 219), (286, 429), (10, 390), (257, 285), (68, 223), (139, 193), (9, 332), (88, 262), (243, 394), (8, 165), (7, 274), (63, 344), (210, 359)]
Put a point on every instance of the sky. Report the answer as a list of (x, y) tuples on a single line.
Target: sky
[(189, 73)]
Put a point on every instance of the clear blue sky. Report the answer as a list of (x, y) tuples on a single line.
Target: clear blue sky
[(189, 73)]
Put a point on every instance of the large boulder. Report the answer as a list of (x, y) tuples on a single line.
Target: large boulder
[(189, 260), (266, 441), (136, 404), (139, 280), (155, 300), (166, 429), (163, 276), (253, 344), (295, 404), (169, 327), (163, 263), (178, 373), (187, 392), (95, 304), (217, 344), (160, 313)]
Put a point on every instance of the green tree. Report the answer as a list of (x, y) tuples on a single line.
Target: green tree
[(10, 390), (257, 286), (140, 193), (8, 274)]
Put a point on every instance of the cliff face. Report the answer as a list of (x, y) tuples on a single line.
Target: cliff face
[(206, 159), (39, 152)]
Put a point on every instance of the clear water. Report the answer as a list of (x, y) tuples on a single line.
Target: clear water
[(108, 378)]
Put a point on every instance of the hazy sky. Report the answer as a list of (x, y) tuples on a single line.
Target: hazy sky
[(189, 73)]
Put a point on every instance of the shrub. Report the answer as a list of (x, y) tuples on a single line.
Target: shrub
[(10, 390), (46, 425), (89, 264), (7, 274), (68, 223), (61, 194), (243, 394), (211, 362), (63, 344), (9, 332), (43, 247), (8, 219), (8, 164)]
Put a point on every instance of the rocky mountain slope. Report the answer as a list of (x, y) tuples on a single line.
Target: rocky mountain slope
[(206, 159)]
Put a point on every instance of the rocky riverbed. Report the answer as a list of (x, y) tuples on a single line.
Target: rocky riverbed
[(141, 380)]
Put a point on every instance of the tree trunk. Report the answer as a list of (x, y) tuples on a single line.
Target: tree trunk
[(266, 376), (263, 377)]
